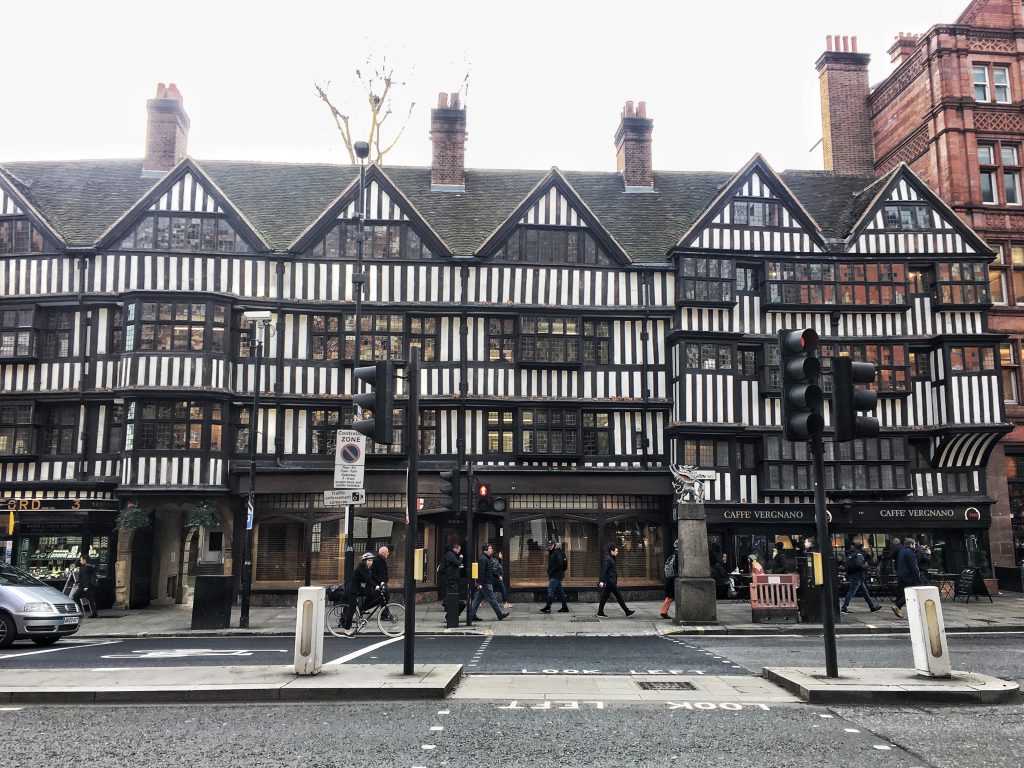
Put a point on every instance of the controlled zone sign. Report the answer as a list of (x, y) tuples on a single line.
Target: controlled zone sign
[(349, 460)]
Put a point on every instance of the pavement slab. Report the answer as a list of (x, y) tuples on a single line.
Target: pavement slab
[(876, 686)]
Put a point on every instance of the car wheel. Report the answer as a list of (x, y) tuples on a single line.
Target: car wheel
[(7, 630), (45, 640)]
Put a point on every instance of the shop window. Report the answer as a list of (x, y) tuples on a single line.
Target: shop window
[(501, 432), (16, 429), (501, 339), (909, 217), (799, 282), (383, 240), (527, 553), (200, 234), (961, 283), (597, 433), (381, 337), (175, 326), (323, 337), (891, 360), (704, 280), (16, 332), (707, 357), (19, 235), (52, 558), (60, 432), (550, 431), (971, 359), (641, 558), (549, 245), (173, 425), (756, 213)]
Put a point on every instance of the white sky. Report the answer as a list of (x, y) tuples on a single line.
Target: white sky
[(547, 80)]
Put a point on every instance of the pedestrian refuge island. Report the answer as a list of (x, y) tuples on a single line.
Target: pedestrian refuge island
[(773, 598), (309, 630)]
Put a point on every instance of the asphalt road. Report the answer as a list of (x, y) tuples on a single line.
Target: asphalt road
[(475, 733)]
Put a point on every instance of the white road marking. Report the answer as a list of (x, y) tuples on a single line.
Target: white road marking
[(429, 746), (59, 648), (827, 717), (883, 747), (11, 709), (187, 653), (363, 652), (851, 730), (444, 711), (437, 727), (110, 669)]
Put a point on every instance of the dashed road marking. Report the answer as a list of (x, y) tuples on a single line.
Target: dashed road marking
[(444, 711), (882, 747), (437, 727), (851, 730), (430, 746), (11, 709)]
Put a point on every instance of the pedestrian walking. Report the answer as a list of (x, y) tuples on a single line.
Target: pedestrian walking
[(448, 578), (924, 561), (557, 566), (485, 585), (856, 572), (907, 574), (671, 574), (609, 581), (84, 588), (499, 578)]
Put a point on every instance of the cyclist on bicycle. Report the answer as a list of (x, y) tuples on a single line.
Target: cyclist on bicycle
[(358, 585)]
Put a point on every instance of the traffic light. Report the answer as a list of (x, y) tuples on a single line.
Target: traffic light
[(450, 489), (847, 399), (801, 393), (380, 398), (483, 498)]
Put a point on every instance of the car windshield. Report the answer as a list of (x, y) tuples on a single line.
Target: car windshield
[(12, 577)]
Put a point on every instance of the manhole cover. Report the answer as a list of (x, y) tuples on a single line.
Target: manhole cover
[(668, 685), (583, 621)]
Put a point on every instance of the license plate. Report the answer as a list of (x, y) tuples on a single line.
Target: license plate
[(70, 620)]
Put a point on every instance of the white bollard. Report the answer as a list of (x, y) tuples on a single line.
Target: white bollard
[(927, 632), (309, 631)]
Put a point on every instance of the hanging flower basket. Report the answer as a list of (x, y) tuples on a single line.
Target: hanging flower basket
[(132, 516), (202, 515)]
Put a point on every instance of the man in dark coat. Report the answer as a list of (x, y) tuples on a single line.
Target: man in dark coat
[(557, 566), (778, 561), (609, 580), (379, 577), (907, 574), (485, 585), (357, 587), (85, 585), (856, 572)]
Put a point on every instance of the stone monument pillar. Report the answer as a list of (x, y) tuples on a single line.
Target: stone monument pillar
[(695, 589)]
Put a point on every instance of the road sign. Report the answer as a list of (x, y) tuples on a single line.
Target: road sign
[(344, 498), (249, 513), (349, 460)]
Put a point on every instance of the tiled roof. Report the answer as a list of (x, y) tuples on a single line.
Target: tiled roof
[(81, 199)]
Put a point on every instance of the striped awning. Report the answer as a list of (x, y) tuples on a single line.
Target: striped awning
[(965, 449)]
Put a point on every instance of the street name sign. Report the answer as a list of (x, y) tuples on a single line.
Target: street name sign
[(349, 460)]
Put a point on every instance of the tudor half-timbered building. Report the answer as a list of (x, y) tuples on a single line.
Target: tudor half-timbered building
[(578, 332)]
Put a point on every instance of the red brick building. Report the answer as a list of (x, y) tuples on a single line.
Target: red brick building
[(953, 110)]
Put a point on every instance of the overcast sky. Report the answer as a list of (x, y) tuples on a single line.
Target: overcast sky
[(547, 79)]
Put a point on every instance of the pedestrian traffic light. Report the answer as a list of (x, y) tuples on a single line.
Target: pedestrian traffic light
[(483, 499), (801, 392), (847, 399), (450, 489), (380, 399)]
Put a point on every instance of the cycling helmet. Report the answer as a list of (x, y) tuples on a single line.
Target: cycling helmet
[(367, 556)]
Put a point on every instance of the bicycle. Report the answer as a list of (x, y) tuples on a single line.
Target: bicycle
[(391, 622)]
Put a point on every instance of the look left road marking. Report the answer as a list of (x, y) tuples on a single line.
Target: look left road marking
[(59, 648), (363, 652)]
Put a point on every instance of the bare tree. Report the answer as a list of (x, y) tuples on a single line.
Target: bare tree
[(378, 85)]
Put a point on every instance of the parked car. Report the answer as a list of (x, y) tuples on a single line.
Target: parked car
[(31, 610)]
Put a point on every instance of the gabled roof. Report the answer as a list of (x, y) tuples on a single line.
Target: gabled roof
[(281, 201), (11, 189)]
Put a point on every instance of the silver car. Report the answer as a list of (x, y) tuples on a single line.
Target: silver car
[(31, 610)]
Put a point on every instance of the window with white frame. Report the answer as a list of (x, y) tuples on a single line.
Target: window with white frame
[(999, 169), (1011, 372), (991, 83)]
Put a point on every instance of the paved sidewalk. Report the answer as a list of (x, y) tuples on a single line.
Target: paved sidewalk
[(1005, 613)]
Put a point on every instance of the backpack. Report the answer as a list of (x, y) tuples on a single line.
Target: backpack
[(670, 566), (858, 563)]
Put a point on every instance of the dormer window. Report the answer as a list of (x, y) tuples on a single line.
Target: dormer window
[(756, 213), (18, 235), (908, 216)]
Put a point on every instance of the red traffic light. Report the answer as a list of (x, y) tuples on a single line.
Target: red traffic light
[(482, 490)]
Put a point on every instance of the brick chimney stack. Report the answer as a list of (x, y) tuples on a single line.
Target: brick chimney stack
[(903, 48), (448, 137), (166, 131), (845, 119), (633, 148)]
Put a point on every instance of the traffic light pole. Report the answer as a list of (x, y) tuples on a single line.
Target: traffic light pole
[(828, 619), (470, 510), (412, 437)]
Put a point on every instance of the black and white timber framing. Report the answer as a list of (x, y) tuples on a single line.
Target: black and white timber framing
[(657, 312)]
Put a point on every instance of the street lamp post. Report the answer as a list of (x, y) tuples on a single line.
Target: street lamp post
[(255, 318), (362, 150)]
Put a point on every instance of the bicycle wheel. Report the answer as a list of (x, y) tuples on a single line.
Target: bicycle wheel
[(391, 619), (332, 620)]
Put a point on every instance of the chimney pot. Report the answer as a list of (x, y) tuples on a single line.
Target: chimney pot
[(442, 101), (166, 131), (828, 42)]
